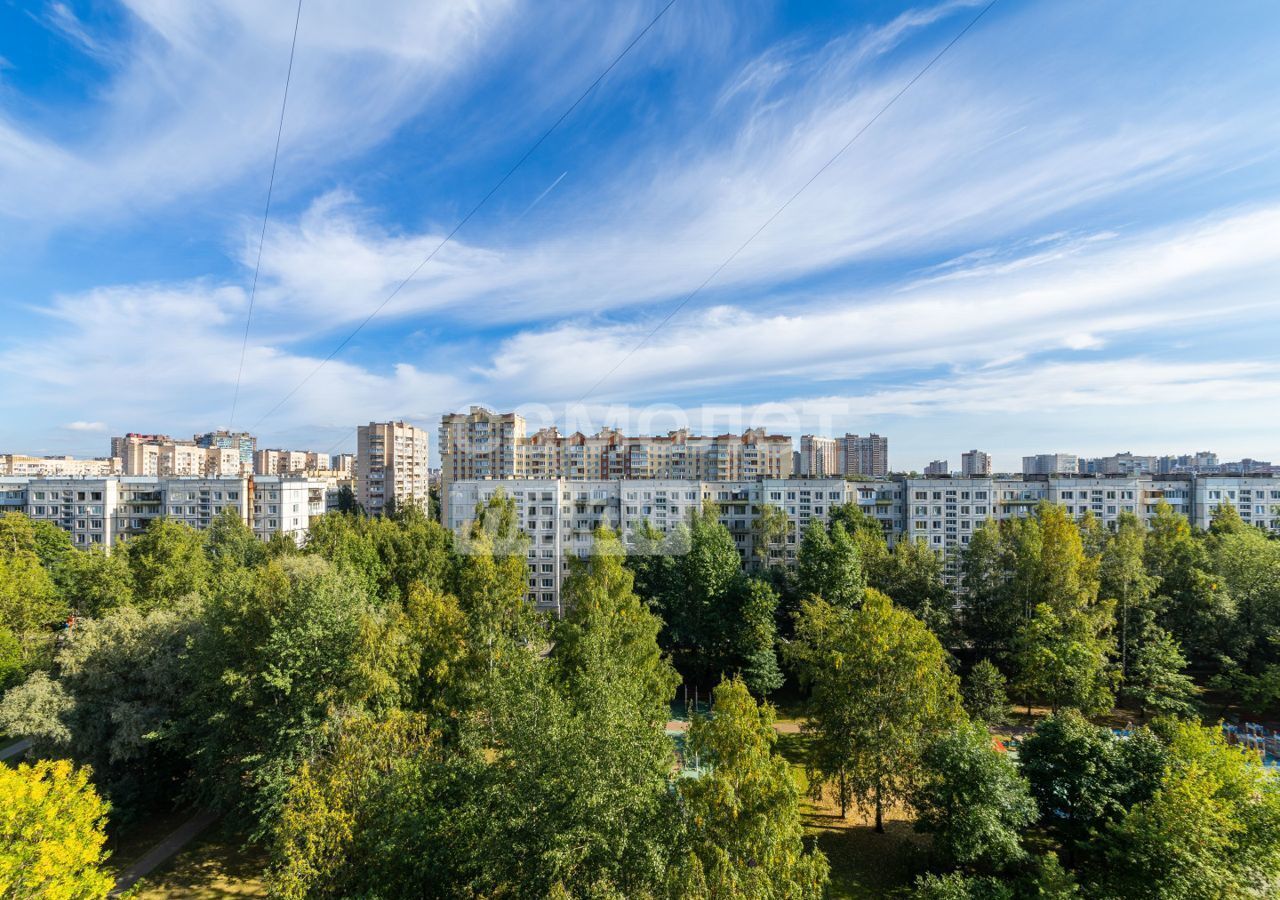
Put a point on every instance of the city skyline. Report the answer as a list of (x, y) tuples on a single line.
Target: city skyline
[(1059, 240)]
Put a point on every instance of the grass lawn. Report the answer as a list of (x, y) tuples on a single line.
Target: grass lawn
[(209, 868), (863, 864)]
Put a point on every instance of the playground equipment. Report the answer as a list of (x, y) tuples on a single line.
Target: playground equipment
[(1261, 740)]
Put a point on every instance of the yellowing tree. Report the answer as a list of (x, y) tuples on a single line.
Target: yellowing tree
[(51, 833)]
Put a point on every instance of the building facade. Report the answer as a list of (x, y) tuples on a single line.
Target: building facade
[(937, 467), (560, 515), (819, 456), (158, 455), (975, 462), (54, 466), (391, 465), (481, 445), (864, 455), (1051, 464)]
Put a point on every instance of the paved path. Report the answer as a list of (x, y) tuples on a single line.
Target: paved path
[(162, 851), (15, 749)]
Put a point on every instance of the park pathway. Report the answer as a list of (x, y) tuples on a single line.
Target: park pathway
[(14, 749), (161, 852)]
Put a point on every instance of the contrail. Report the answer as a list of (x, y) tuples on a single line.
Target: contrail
[(549, 189)]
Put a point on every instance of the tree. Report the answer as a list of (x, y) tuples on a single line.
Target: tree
[(991, 614), (10, 659), (972, 800), (52, 832), (913, 578), (275, 664), (755, 651), (1248, 564), (230, 543), (434, 637), (1157, 680), (1192, 603), (29, 604), (96, 581), (117, 704), (880, 689), (606, 629), (1083, 777), (1225, 519), (771, 529), (168, 563), (868, 535), (1063, 661), (1210, 829), (984, 694), (1124, 579), (744, 835), (829, 565)]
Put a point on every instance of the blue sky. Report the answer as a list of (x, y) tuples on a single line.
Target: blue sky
[(1065, 236)]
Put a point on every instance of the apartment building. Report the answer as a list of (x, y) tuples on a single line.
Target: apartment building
[(975, 462), (243, 443), (391, 465), (937, 467), (864, 455), (15, 464), (819, 456), (486, 445), (343, 464), (1125, 463), (560, 516), (158, 455), (290, 462), (1051, 464), (286, 504)]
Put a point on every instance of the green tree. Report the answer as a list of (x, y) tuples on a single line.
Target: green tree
[(1225, 519), (972, 800), (743, 827), (990, 614), (913, 578), (30, 607), (1063, 661), (230, 543), (1124, 579), (1192, 603), (880, 689), (117, 704), (829, 565), (412, 549), (10, 659), (438, 664), (755, 651), (868, 534), (52, 833), (770, 536), (606, 629), (1248, 564), (97, 581), (275, 665), (1083, 777), (1157, 680), (984, 694), (1210, 829), (168, 563)]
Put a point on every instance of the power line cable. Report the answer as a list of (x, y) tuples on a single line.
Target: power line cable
[(430, 256), (266, 213), (734, 255)]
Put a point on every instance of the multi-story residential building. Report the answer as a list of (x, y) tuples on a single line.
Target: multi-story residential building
[(486, 445), (1051, 464), (104, 511), (53, 466), (162, 456), (343, 463), (937, 467), (867, 455), (1119, 464), (1201, 461), (240, 441), (288, 462), (819, 456), (286, 504), (560, 516), (975, 462), (391, 465)]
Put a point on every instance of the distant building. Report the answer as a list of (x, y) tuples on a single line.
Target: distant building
[(391, 465), (241, 441), (936, 468), (975, 462), (819, 456), (203, 457), (1119, 464), (867, 455), (1051, 464), (52, 466), (481, 444)]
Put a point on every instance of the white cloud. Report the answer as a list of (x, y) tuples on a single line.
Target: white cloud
[(86, 426)]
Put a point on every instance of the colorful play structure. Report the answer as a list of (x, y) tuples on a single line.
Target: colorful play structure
[(1256, 737)]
